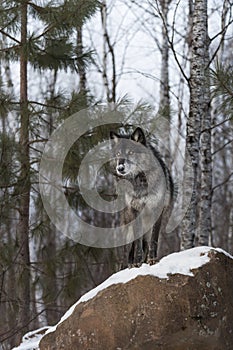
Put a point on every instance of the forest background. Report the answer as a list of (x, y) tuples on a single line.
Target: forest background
[(163, 57)]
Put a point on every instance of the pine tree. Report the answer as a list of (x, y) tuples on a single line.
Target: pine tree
[(50, 49), (222, 93)]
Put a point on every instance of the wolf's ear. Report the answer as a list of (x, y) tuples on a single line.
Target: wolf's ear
[(114, 136), (138, 136)]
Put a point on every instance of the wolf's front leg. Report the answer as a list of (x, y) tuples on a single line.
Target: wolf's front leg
[(138, 244), (153, 242), (136, 254), (152, 254), (149, 248)]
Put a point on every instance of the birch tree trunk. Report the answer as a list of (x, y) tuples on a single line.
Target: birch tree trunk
[(24, 187), (164, 100), (110, 83), (199, 107), (164, 103), (167, 242), (204, 223)]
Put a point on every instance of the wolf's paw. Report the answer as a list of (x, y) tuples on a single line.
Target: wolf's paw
[(152, 261), (135, 264)]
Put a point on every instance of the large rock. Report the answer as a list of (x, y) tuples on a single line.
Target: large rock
[(182, 312)]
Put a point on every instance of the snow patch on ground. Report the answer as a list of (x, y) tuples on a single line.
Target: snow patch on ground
[(177, 263)]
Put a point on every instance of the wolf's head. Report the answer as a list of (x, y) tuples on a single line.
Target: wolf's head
[(128, 151)]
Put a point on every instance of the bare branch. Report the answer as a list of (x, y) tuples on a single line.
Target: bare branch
[(222, 183), (171, 41), (222, 147)]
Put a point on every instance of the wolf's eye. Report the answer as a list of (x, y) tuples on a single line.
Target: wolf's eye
[(130, 152), (118, 154)]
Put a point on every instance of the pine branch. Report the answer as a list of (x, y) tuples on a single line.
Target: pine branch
[(10, 48), (46, 105), (9, 36)]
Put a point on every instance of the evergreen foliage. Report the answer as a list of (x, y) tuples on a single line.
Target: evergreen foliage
[(49, 49), (222, 86), (54, 50)]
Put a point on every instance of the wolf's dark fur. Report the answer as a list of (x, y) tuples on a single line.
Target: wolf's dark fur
[(130, 160)]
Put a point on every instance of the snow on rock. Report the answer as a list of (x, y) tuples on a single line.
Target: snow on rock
[(177, 263), (31, 339)]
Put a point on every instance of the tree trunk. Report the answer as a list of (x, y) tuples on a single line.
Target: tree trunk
[(24, 187), (110, 88), (204, 224), (167, 242), (81, 65), (164, 103), (197, 114)]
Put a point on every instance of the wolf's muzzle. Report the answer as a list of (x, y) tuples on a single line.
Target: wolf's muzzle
[(121, 168)]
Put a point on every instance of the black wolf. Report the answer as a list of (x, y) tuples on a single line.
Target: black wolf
[(149, 192)]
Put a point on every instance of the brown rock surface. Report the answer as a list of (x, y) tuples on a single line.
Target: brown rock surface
[(149, 313)]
